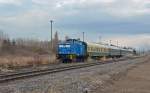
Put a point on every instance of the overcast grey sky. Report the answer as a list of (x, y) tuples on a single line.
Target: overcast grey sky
[(126, 21)]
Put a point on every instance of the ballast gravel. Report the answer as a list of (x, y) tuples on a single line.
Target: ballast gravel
[(84, 80)]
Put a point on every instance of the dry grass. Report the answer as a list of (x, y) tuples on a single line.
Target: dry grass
[(21, 61)]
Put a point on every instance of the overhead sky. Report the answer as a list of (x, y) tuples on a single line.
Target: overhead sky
[(125, 21)]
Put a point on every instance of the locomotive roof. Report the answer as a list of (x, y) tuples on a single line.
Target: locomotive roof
[(68, 41)]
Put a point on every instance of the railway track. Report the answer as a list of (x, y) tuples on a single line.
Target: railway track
[(27, 74)]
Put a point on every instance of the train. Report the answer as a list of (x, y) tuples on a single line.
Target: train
[(75, 50)]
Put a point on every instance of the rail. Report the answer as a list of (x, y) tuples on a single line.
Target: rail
[(27, 74)]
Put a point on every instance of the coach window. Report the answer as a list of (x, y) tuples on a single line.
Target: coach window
[(102, 49), (88, 48)]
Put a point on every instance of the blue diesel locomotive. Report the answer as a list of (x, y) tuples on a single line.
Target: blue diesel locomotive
[(76, 51), (72, 50)]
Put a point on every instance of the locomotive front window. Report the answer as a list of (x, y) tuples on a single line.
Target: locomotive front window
[(67, 46), (61, 46)]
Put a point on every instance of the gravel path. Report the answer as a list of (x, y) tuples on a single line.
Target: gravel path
[(137, 80), (88, 79)]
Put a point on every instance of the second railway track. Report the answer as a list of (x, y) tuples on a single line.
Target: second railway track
[(22, 75)]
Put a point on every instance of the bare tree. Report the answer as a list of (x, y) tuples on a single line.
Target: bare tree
[(55, 42), (26, 46)]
